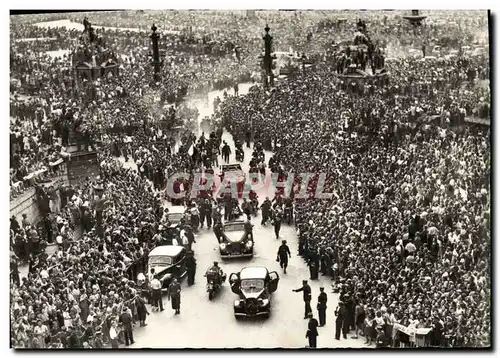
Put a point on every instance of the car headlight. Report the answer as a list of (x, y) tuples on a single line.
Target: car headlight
[(223, 246), (249, 243), (263, 302), (238, 303)]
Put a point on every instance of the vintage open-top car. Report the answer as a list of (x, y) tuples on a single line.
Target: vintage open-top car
[(168, 261), (235, 241), (254, 285)]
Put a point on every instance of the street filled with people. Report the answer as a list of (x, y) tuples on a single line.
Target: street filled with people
[(403, 243)]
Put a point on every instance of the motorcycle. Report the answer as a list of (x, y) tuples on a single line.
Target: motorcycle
[(214, 282)]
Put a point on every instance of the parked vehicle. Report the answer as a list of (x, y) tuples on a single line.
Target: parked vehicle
[(168, 261)]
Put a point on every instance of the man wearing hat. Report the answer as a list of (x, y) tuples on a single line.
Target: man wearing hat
[(322, 299), (174, 293), (306, 289), (341, 321), (283, 255), (126, 320), (190, 267), (312, 330)]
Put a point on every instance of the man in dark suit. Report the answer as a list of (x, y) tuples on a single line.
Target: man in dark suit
[(283, 255), (191, 267), (306, 289), (340, 323), (312, 331), (126, 321), (322, 299)]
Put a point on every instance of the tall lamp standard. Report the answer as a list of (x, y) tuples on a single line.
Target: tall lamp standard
[(156, 53), (268, 58)]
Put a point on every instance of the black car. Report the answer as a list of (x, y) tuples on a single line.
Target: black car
[(235, 241), (254, 285), (168, 261)]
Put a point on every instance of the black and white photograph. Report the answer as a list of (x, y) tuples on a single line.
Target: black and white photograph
[(255, 179)]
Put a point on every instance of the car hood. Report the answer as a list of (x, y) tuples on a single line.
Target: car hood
[(251, 293), (234, 236), (238, 176)]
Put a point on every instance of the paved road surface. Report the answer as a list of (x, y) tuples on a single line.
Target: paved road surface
[(211, 324)]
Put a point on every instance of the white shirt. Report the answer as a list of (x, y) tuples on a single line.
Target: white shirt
[(112, 333), (44, 274), (156, 284)]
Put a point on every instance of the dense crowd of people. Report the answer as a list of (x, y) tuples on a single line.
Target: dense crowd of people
[(406, 238)]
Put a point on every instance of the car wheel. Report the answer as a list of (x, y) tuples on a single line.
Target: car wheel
[(267, 315), (210, 295)]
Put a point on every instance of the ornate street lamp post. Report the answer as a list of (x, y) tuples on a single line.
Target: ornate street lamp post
[(415, 18), (156, 53), (268, 58)]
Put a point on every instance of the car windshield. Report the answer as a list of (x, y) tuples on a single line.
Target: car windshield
[(232, 168), (252, 285), (160, 260), (175, 217), (234, 227)]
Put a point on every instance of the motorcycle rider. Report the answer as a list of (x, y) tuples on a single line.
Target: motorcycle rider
[(218, 271)]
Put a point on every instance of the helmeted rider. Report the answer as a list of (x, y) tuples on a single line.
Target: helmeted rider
[(216, 269)]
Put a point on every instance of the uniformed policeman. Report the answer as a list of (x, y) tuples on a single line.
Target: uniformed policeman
[(322, 299), (312, 330), (191, 268), (283, 255), (277, 222), (174, 293), (306, 290)]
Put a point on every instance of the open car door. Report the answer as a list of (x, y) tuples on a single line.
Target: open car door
[(234, 281), (273, 281)]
